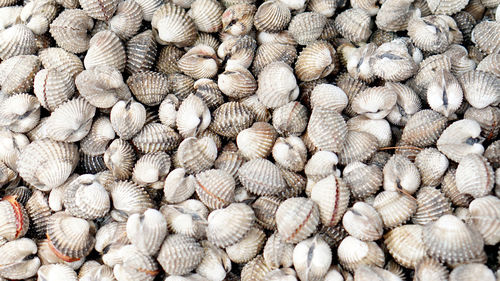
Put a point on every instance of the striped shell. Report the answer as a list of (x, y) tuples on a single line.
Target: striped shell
[(475, 176), (317, 60), (362, 221), (332, 197), (85, 197), (296, 219), (394, 207), (215, 188), (105, 48), (485, 214), (261, 177), (180, 254), (354, 253), (229, 225), (173, 26), (70, 30), (354, 25)]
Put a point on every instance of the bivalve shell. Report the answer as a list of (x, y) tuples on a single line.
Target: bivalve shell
[(459, 139), (100, 10), (85, 197), (15, 221), (174, 26), (472, 271), (20, 80), (71, 30), (129, 198), (354, 25), (431, 205), (18, 259), (332, 197), (261, 177), (475, 176), (394, 207), (61, 60), (105, 48), (229, 225), (231, 118), (485, 35), (317, 60), (481, 89), (296, 219), (141, 52), (353, 253), (127, 118), (327, 129), (17, 40), (127, 20), (196, 155), (155, 137), (362, 221), (306, 27), (147, 231), (362, 180), (485, 216), (312, 258), (256, 141), (272, 16), (248, 247), (180, 254), (150, 88), (215, 188), (193, 117), (277, 85)]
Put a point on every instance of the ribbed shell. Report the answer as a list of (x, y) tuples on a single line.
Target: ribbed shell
[(237, 82), (70, 238), (141, 52), (485, 216), (332, 197), (199, 62), (362, 221), (392, 62), (100, 9), (296, 219), (207, 15), (119, 158), (256, 141), (215, 188), (353, 253), (71, 30), (363, 180), (102, 86), (148, 87), (248, 247), (127, 20), (19, 113), (486, 36), (374, 103), (401, 174), (86, 198), (273, 52), (180, 254), (100, 135), (449, 188), (105, 48), (472, 271), (17, 40), (231, 118), (261, 177), (46, 163), (262, 114), (394, 207), (354, 25), (20, 80), (312, 258), (174, 26), (432, 165), (62, 60), (423, 128), (229, 225), (149, 7), (255, 269), (57, 272), (290, 153), (475, 176), (460, 139), (358, 146), (446, 7), (430, 269), (431, 205), (327, 129), (272, 16), (147, 231), (481, 89), (156, 137), (490, 64), (18, 259), (429, 68), (394, 15), (317, 60), (14, 220), (277, 85), (130, 198), (306, 27), (197, 154), (290, 119), (127, 118), (450, 240)]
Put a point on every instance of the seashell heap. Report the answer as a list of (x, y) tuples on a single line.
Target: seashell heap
[(279, 140)]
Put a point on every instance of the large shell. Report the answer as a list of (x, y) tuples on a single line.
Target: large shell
[(485, 35), (490, 64), (354, 253), (321, 165), (262, 114), (196, 155), (18, 259), (230, 118), (459, 139), (237, 81), (256, 141), (317, 60), (431, 205), (229, 225), (379, 128), (272, 52), (327, 129), (354, 25), (392, 62), (429, 68), (174, 26), (86, 198), (207, 15), (70, 30), (21, 80), (475, 176), (358, 146), (406, 245), (151, 169), (430, 269), (180, 254), (296, 219), (485, 214), (102, 86), (61, 60), (178, 187), (312, 258), (193, 117), (444, 94), (431, 33), (261, 177), (481, 89), (127, 118), (272, 16), (394, 207), (141, 52), (155, 137), (374, 103), (19, 113), (306, 27), (127, 19), (332, 197), (70, 238), (215, 188), (450, 240), (362, 221), (46, 163), (105, 48)]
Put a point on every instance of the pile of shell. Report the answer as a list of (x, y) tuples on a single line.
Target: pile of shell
[(234, 140)]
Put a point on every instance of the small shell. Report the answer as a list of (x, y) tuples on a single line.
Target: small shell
[(450, 240), (206, 15), (248, 247), (236, 81), (119, 158), (238, 19), (70, 30), (92, 270), (379, 128), (18, 259), (231, 118), (317, 60), (432, 165), (262, 114), (277, 252), (444, 94), (155, 137), (273, 52), (363, 180), (290, 119), (272, 16), (256, 141), (261, 177), (363, 222), (129, 198), (358, 146), (392, 62), (70, 238), (215, 263), (16, 40), (312, 258), (39, 212), (490, 64), (127, 118), (100, 10), (71, 121), (429, 68), (196, 155), (449, 188), (430, 269), (193, 117), (273, 93), (215, 188), (321, 165), (354, 253), (174, 26), (394, 15), (149, 7), (105, 48), (127, 20), (255, 269), (290, 153), (492, 153), (102, 86), (148, 87), (199, 62), (46, 163), (61, 60), (306, 27), (324, 7), (480, 88), (20, 80), (168, 58), (357, 60), (405, 245), (431, 205), (394, 207), (401, 174), (15, 220), (229, 225), (229, 160), (431, 33), (475, 176), (141, 52), (459, 139), (446, 7), (180, 254), (329, 96), (354, 25), (296, 219), (86, 198), (424, 128), (209, 92), (460, 61), (178, 187), (374, 103), (485, 36), (188, 218), (147, 231), (472, 271), (485, 214), (56, 272), (19, 113), (332, 197), (327, 129), (151, 169)]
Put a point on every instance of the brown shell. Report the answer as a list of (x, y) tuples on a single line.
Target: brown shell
[(261, 177), (173, 26), (167, 60), (148, 87), (272, 16), (180, 254), (316, 60), (231, 118), (215, 188), (156, 137), (141, 52)]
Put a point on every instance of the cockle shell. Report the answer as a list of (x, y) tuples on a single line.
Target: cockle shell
[(38, 210), (178, 187), (173, 26), (193, 116), (312, 258), (290, 119), (374, 103), (490, 64), (61, 60), (86, 198), (229, 225), (100, 10), (129, 198), (475, 176), (92, 270), (394, 207), (19, 113), (215, 263), (277, 252), (209, 92), (167, 59), (472, 271), (256, 141), (255, 269), (273, 52), (362, 221), (46, 163), (354, 25), (317, 60), (147, 231), (17, 261), (327, 129), (265, 208), (394, 15), (296, 219), (105, 48), (70, 238), (306, 27), (199, 62), (148, 8), (273, 94), (151, 169), (378, 128), (56, 272), (429, 68), (215, 188), (424, 128), (444, 94), (179, 254), (70, 30), (488, 118), (262, 114), (430, 269), (207, 15), (485, 36), (272, 16), (229, 160), (127, 118), (248, 247), (392, 62), (450, 240), (480, 88), (119, 158), (401, 174), (15, 220), (155, 137), (188, 218), (431, 33), (102, 86), (133, 265), (449, 188), (332, 197), (357, 146), (261, 177), (362, 180), (353, 253), (432, 165), (357, 60), (459, 139), (141, 52), (321, 165), (53, 88), (16, 40), (21, 80), (445, 6), (400, 240), (238, 19), (196, 155), (127, 20), (431, 205), (148, 87), (290, 153), (485, 214), (236, 81), (231, 118)]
